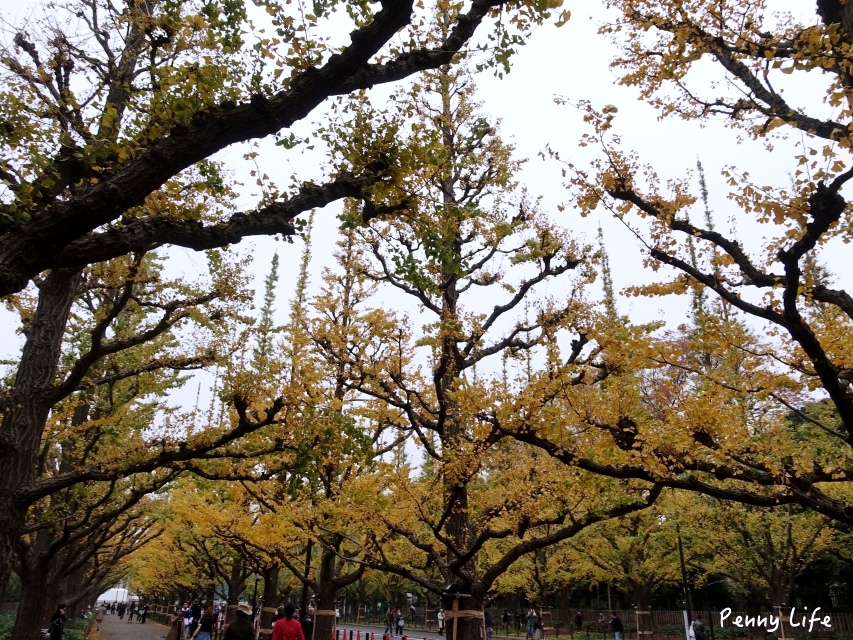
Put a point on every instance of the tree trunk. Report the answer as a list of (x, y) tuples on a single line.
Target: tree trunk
[(464, 617), (269, 600), (235, 586), (11, 522), (39, 597), (303, 599), (27, 407), (327, 594)]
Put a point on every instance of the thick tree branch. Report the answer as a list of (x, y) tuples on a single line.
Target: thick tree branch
[(63, 229)]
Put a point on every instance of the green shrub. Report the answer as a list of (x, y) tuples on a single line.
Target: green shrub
[(74, 629), (7, 619)]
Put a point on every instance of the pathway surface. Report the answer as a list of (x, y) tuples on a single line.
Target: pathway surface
[(411, 634), (114, 629)]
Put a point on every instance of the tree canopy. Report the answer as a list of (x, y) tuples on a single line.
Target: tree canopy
[(106, 109), (387, 427), (766, 335)]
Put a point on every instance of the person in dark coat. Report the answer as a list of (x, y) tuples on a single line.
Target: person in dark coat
[(57, 623), (616, 627), (308, 624), (389, 621), (241, 628), (196, 611)]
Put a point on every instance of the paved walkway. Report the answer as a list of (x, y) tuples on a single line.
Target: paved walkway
[(114, 629), (411, 633)]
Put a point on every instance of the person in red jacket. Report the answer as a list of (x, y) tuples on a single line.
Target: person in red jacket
[(288, 628)]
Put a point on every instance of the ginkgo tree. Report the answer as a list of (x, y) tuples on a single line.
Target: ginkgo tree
[(766, 550), (779, 336), (105, 107), (471, 251), (188, 558), (319, 512), (109, 115), (636, 554), (110, 436)]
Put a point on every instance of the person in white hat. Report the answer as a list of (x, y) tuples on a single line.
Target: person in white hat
[(241, 628)]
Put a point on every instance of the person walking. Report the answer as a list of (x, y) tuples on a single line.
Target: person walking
[(288, 628), (143, 611), (176, 625), (616, 627), (579, 621), (204, 630), (279, 614), (389, 621), (401, 622), (529, 623), (241, 628), (538, 630), (57, 623), (196, 611), (440, 618), (100, 614), (187, 615), (698, 629)]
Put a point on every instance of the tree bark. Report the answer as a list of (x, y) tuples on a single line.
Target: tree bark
[(269, 601), (327, 593), (235, 587), (37, 243), (39, 596), (27, 407), (464, 619)]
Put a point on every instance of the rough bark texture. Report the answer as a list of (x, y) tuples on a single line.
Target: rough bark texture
[(39, 597), (27, 408), (464, 618), (324, 620), (270, 600)]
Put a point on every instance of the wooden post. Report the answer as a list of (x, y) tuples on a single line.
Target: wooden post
[(644, 625)]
